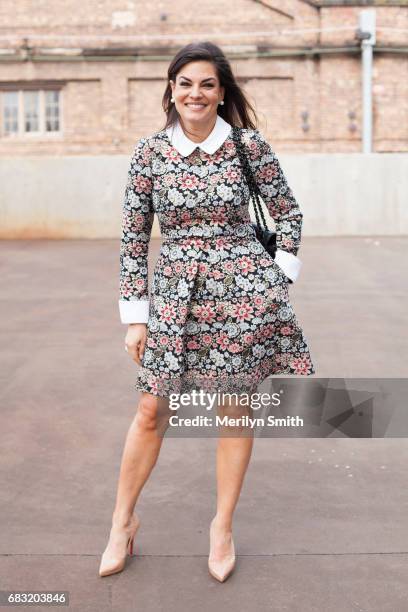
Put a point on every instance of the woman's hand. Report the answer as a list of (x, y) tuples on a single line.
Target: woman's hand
[(135, 341)]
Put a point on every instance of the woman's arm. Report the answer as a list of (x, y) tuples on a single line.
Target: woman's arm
[(137, 222), (279, 200)]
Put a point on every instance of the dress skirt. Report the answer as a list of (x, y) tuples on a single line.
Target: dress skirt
[(220, 317)]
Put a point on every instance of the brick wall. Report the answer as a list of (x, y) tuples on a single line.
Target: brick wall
[(306, 102)]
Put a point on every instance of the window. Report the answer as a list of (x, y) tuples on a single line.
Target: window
[(26, 112), (31, 111), (10, 112), (52, 111)]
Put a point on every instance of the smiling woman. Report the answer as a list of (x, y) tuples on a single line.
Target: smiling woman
[(218, 318), (196, 93), (219, 315)]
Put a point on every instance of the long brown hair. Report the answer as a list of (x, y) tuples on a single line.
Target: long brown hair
[(236, 109)]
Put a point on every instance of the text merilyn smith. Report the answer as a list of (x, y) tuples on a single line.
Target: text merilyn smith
[(243, 421)]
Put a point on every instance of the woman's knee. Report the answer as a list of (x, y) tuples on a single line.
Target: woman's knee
[(150, 411)]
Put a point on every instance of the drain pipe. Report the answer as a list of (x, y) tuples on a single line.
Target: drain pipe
[(366, 34)]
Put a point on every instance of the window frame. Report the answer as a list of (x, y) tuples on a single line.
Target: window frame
[(41, 133)]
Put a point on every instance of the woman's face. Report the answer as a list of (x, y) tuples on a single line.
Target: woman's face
[(197, 92)]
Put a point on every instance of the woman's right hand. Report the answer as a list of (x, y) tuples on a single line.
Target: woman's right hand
[(135, 341)]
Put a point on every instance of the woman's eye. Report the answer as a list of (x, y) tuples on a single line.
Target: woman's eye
[(206, 85)]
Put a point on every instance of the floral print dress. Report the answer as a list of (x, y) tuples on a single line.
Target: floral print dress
[(219, 317)]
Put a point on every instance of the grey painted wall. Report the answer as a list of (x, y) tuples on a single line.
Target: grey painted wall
[(340, 194)]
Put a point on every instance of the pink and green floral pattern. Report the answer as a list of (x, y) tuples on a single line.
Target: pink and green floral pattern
[(220, 317)]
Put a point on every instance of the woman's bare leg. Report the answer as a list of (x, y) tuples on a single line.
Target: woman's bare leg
[(140, 453), (233, 455), (142, 447)]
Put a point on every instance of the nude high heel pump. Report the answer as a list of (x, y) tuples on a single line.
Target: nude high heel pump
[(224, 568), (113, 564)]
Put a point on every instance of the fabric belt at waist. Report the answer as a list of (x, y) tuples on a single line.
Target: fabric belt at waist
[(209, 232)]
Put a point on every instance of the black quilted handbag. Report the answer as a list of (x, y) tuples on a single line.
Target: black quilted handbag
[(265, 236)]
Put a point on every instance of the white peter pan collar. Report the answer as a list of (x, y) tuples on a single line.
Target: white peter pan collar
[(214, 140)]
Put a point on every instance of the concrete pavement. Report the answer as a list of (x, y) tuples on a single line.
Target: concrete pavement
[(321, 523)]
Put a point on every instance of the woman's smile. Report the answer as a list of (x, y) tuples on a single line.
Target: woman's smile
[(195, 106)]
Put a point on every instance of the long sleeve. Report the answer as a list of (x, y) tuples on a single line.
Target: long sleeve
[(137, 222), (279, 200)]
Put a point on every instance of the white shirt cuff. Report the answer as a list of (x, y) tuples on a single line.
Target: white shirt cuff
[(289, 263), (134, 311)]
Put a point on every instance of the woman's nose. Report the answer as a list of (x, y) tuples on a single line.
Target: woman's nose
[(195, 92)]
